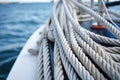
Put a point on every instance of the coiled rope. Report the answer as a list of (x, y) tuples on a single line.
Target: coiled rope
[(76, 53)]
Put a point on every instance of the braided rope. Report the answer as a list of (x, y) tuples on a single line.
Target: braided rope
[(109, 26), (103, 39), (58, 71), (67, 66), (76, 54), (94, 45), (40, 63), (71, 57), (84, 59), (116, 57), (114, 50), (46, 60), (98, 60), (110, 19)]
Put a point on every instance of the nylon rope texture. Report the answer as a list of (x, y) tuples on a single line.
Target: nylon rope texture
[(77, 53)]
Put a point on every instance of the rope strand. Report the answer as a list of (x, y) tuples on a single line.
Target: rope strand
[(78, 54)]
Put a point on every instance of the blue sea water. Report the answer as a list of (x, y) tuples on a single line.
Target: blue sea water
[(17, 23)]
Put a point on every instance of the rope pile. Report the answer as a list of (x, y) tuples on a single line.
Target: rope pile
[(76, 53)]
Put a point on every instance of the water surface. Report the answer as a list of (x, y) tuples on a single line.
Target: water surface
[(17, 23)]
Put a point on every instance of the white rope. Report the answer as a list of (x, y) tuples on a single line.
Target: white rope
[(58, 71), (40, 63), (91, 42), (84, 59), (109, 26), (109, 15), (82, 73), (78, 53), (67, 66), (71, 74), (99, 60), (46, 61), (115, 50), (103, 39)]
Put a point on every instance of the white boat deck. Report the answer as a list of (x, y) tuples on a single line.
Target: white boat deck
[(25, 67)]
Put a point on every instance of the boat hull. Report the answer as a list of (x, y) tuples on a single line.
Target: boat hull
[(25, 67)]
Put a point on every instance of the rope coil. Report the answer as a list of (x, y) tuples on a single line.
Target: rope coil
[(77, 55)]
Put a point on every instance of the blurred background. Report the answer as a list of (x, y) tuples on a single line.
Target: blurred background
[(18, 20)]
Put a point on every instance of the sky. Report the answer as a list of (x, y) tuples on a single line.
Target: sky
[(30, 0), (24, 0)]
